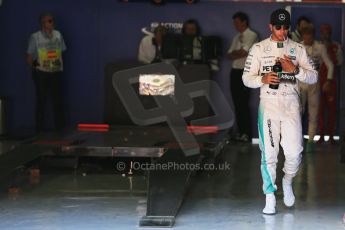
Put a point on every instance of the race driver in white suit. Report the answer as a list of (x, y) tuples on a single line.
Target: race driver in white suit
[(279, 119)]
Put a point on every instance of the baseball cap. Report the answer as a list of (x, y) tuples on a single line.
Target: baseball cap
[(280, 17)]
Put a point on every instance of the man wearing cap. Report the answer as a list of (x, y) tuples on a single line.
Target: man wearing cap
[(279, 119), (328, 86), (311, 93)]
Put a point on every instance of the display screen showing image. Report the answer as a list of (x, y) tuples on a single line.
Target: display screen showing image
[(156, 84)]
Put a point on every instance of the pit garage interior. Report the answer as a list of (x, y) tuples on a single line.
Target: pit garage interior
[(131, 161)]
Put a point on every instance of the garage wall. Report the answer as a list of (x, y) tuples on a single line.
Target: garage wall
[(99, 32)]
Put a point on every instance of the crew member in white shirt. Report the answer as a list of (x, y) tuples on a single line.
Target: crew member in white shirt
[(238, 53)]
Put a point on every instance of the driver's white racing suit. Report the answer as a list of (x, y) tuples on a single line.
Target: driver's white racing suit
[(279, 111)]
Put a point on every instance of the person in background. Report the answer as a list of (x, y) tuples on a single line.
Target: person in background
[(302, 22), (151, 45), (44, 55), (191, 28), (311, 93), (279, 119), (238, 53), (328, 99)]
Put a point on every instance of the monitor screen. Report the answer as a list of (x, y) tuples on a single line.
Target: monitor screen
[(186, 48), (171, 46), (181, 47), (211, 47), (156, 84)]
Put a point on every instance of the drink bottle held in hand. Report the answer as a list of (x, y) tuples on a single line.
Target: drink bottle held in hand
[(277, 68)]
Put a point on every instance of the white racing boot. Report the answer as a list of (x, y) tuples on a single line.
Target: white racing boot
[(270, 207), (289, 197)]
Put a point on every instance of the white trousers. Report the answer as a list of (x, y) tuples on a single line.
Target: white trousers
[(279, 123), (311, 94)]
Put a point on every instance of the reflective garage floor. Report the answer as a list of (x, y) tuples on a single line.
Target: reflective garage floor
[(223, 199)]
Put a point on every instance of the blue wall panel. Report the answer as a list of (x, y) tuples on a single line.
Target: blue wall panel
[(99, 32)]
